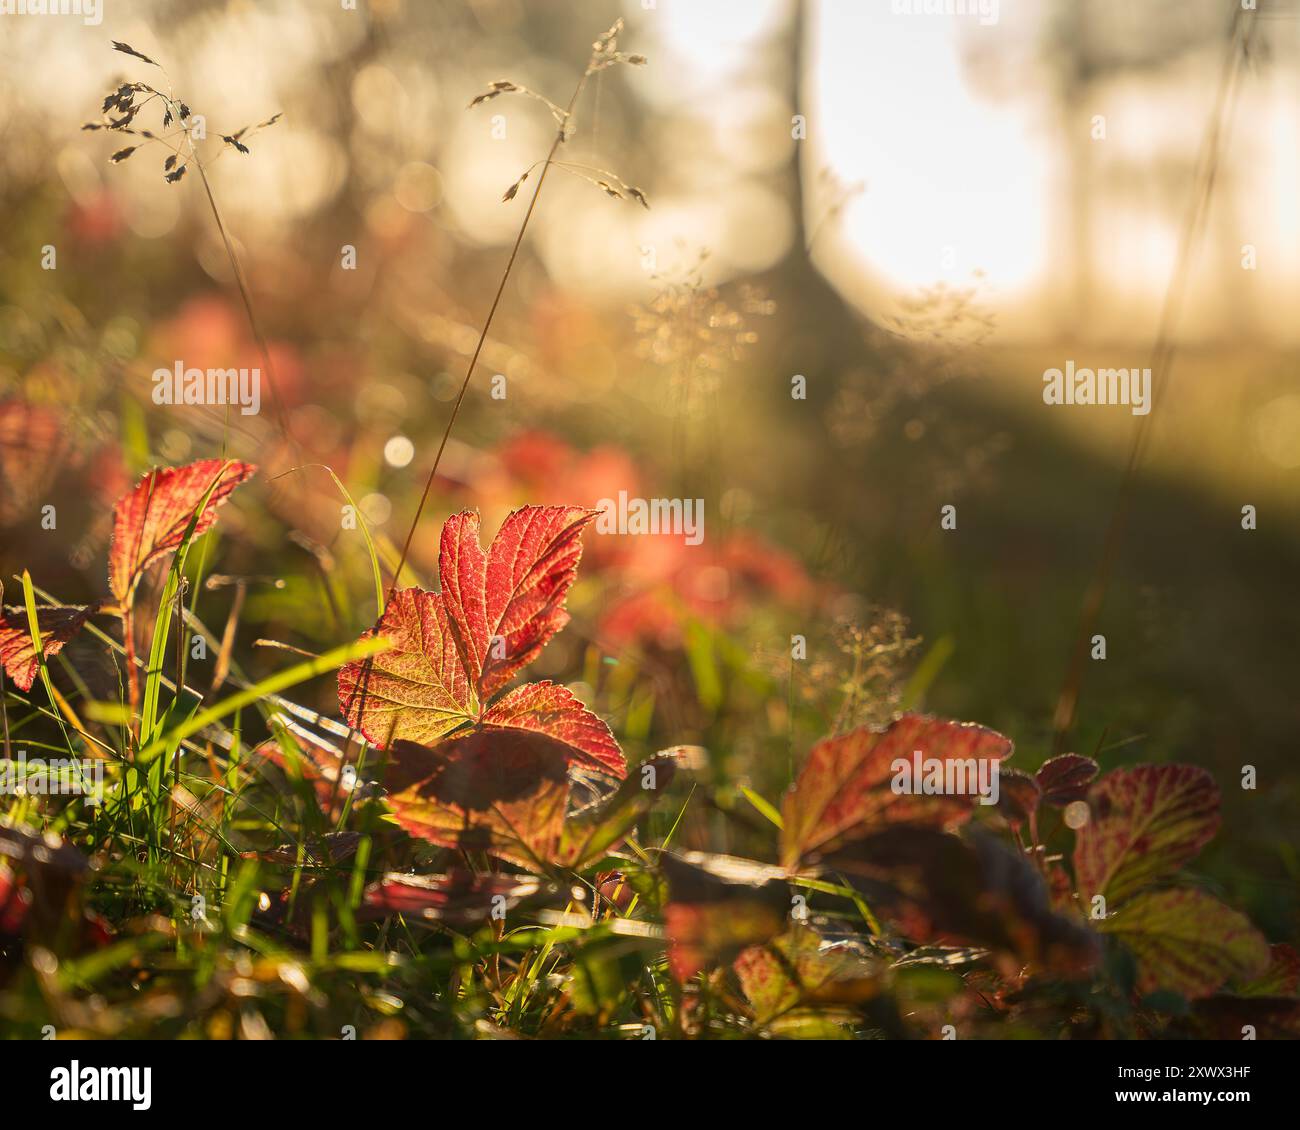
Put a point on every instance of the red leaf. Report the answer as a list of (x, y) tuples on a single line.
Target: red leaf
[(506, 604), (451, 649), (504, 792), (460, 896), (843, 790), (1066, 778), (553, 710), (417, 690), (33, 445), (1144, 822), (151, 520), (18, 653)]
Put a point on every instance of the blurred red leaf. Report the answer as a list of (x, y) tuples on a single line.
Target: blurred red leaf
[(1144, 823), (1187, 941), (843, 790), (33, 444), (719, 906), (57, 627), (151, 520), (461, 897)]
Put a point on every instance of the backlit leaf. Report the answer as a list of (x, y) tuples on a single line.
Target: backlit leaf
[(1144, 823), (843, 790), (506, 604), (18, 652), (1066, 778), (553, 710), (151, 520), (417, 690), (1187, 941)]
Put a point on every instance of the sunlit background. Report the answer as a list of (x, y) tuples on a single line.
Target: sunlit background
[(916, 214)]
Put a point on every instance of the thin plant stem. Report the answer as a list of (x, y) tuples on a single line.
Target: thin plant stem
[(487, 326)]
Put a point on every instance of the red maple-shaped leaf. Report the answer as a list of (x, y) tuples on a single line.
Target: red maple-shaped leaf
[(505, 604), (1065, 779), (844, 790), (451, 650), (504, 793), (18, 652), (507, 792), (151, 521), (417, 691), (546, 708)]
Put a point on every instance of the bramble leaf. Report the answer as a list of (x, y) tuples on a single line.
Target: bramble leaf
[(843, 790), (553, 710), (504, 793), (57, 627), (1144, 823), (151, 521), (417, 690), (1065, 779), (796, 971), (453, 648), (506, 604), (1187, 941)]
